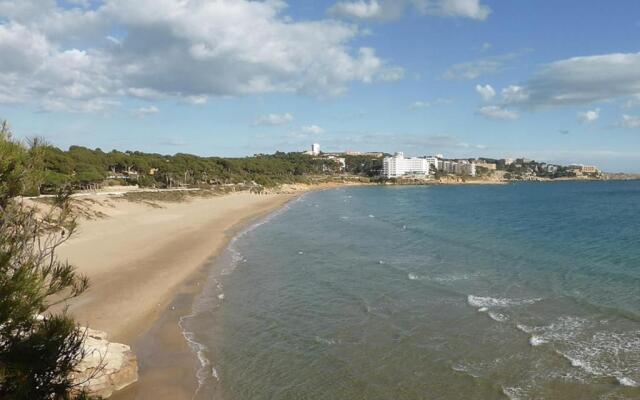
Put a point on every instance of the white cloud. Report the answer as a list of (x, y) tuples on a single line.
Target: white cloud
[(312, 130), (514, 94), (633, 102), (590, 116), (274, 119), (583, 80), (485, 46), (358, 9), (183, 49), (485, 66), (428, 104), (630, 121), (392, 9), (497, 112), (454, 8), (142, 112), (486, 92)]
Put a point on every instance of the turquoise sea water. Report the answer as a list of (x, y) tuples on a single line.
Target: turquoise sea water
[(525, 291)]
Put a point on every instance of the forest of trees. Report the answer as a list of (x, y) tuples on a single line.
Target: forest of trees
[(81, 167)]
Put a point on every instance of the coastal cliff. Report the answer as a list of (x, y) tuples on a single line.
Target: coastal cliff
[(107, 367)]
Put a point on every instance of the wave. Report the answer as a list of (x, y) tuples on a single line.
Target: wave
[(490, 302), (205, 369), (439, 279), (513, 393), (565, 329), (215, 291), (624, 381), (607, 354), (328, 342), (601, 354), (498, 317)]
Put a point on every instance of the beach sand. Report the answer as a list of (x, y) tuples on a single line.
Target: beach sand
[(146, 262)]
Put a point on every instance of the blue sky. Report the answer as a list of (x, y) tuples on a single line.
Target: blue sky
[(554, 81)]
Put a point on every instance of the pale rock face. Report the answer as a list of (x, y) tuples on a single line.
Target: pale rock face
[(107, 367)]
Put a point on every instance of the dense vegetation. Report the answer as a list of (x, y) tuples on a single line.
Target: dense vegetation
[(38, 348), (82, 167)]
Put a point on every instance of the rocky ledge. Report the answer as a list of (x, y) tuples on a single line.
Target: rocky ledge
[(107, 367)]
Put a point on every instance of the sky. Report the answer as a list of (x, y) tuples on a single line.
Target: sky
[(556, 81)]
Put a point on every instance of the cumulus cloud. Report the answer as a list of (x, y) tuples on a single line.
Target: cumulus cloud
[(486, 92), (142, 112), (360, 9), (630, 121), (392, 9), (582, 80), (497, 112), (69, 58), (274, 119), (590, 116), (428, 104), (312, 130)]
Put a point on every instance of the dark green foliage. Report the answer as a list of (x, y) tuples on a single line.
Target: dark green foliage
[(36, 354), (81, 167), (364, 165)]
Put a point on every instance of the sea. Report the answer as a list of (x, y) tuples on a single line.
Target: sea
[(518, 291)]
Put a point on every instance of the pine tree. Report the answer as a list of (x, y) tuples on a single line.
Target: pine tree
[(39, 349)]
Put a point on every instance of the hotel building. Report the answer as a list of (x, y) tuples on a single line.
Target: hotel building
[(399, 166)]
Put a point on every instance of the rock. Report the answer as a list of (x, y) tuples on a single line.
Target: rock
[(107, 367)]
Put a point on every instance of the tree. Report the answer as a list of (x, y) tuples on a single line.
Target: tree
[(39, 349)]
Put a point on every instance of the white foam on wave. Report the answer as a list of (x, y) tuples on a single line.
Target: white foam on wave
[(607, 354), (440, 279), (524, 328), (624, 381), (498, 317), (513, 393), (205, 368), (536, 340), (328, 342), (371, 216), (490, 302)]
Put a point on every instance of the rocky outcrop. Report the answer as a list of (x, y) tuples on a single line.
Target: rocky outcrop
[(106, 367)]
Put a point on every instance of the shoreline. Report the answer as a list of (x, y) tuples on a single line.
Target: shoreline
[(168, 360), (168, 365), (147, 261)]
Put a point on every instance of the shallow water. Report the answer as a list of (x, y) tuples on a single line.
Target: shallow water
[(527, 291)]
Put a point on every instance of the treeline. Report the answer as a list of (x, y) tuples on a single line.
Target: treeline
[(82, 168)]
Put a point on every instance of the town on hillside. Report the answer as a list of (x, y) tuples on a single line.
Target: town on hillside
[(81, 168), (438, 167)]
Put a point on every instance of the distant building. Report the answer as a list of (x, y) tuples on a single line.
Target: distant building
[(448, 166), (339, 160), (552, 169), (589, 169), (433, 160), (508, 161), (464, 167), (484, 164), (315, 149), (399, 166)]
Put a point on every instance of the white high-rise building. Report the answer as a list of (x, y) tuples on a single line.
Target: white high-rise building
[(398, 166), (315, 149), (433, 160)]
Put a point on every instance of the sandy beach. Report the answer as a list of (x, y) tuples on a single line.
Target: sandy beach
[(145, 261)]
